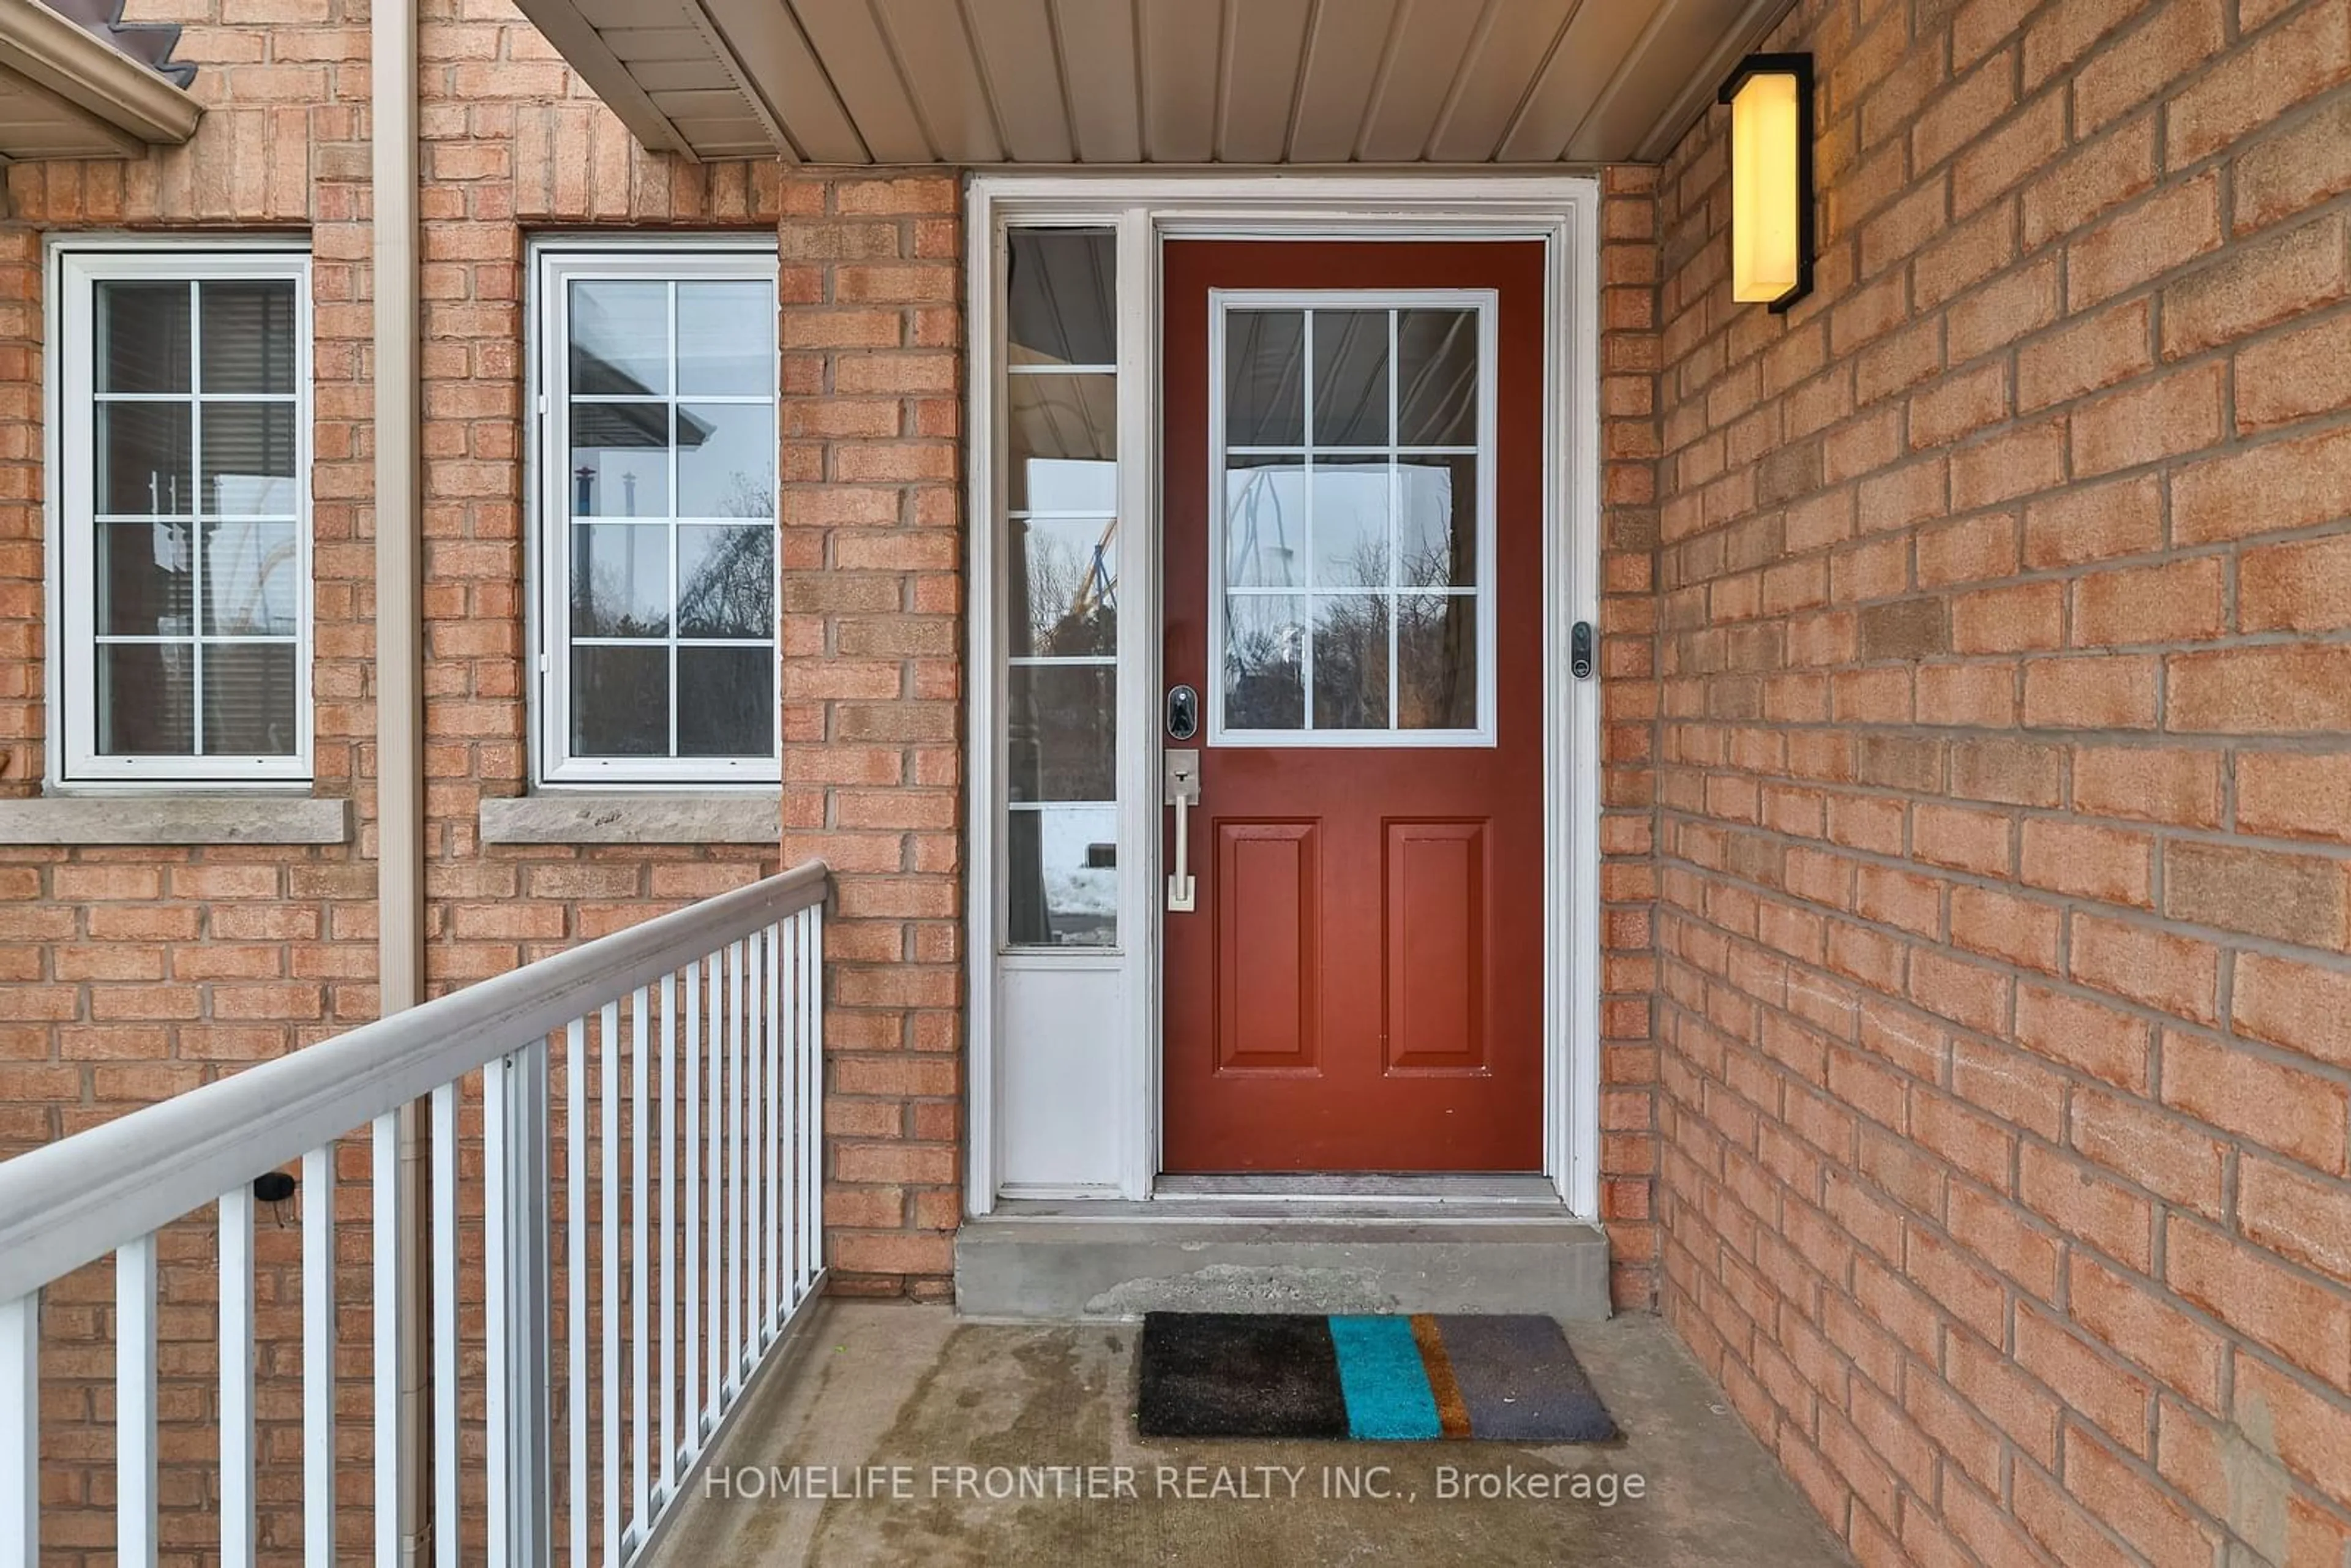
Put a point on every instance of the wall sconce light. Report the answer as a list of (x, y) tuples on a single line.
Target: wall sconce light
[(1770, 100)]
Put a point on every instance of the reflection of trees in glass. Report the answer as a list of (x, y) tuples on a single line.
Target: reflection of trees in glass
[(1351, 663), (728, 587), (1436, 654), (1071, 593), (1264, 670), (601, 602), (732, 591)]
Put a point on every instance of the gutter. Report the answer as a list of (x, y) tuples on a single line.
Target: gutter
[(400, 771), (59, 58)]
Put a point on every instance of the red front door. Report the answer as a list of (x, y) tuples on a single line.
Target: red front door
[(1353, 571)]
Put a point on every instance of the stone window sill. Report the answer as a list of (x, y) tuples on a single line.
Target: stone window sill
[(652, 817), (176, 820)]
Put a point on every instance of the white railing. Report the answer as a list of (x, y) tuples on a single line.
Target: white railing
[(673, 1070)]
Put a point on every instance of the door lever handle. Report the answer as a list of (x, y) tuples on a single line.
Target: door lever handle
[(1182, 770)]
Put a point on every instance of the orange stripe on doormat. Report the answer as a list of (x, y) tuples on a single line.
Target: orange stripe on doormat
[(1452, 1413)]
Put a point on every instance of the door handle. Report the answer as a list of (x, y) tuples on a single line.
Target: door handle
[(1182, 770)]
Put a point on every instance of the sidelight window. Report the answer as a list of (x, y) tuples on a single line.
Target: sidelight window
[(1060, 593)]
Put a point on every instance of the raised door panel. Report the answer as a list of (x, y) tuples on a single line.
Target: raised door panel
[(1268, 917), (1433, 889)]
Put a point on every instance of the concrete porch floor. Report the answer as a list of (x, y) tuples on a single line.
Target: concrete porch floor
[(873, 1384)]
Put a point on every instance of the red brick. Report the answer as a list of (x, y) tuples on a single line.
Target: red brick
[(2082, 1034), (2290, 795), (2300, 899), (2300, 1319), (2294, 168), (2021, 619), (2293, 1004), (2174, 414), (2143, 1512), (2302, 1217), (2151, 783), (2115, 692), (2179, 602), (2295, 375), (2283, 65), (2308, 1431), (2256, 284), (2260, 690), (2164, 1155), (2155, 969), (2086, 355), (2146, 1328), (2174, 41), (2275, 487), (2304, 587), (2115, 519), (2170, 229), (2091, 181), (2296, 1113)]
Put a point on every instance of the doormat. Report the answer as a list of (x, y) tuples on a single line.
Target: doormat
[(1501, 1378)]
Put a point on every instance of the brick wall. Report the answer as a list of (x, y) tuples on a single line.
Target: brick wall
[(134, 974), (872, 635), (127, 975), (146, 971), (1628, 701), (2005, 786)]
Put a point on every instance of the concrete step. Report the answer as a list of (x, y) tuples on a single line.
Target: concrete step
[(1036, 1262)]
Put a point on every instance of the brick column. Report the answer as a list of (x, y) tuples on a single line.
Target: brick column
[(872, 633)]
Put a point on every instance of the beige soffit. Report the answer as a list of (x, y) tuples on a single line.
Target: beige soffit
[(1157, 81), (65, 93)]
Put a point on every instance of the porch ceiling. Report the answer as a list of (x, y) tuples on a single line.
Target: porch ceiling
[(1157, 81)]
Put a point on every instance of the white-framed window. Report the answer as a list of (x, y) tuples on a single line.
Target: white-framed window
[(1060, 611), (180, 587), (656, 461), (1353, 435)]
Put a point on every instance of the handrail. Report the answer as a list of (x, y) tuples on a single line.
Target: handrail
[(76, 1200)]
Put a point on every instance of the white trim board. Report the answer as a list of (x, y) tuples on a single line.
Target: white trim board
[(1093, 1113)]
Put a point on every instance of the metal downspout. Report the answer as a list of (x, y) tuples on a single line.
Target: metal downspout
[(400, 816)]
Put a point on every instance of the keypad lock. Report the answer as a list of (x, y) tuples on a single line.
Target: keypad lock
[(1183, 713)]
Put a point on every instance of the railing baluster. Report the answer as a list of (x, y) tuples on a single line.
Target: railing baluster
[(735, 1168), (134, 1403), (445, 1516), (318, 1356), (812, 1057), (789, 1131), (20, 1432), (689, 1406), (669, 1239), (714, 1264), (755, 1123), (640, 1395), (575, 1281), (776, 1230), (237, 1520), (498, 1300), (394, 1264), (608, 1078)]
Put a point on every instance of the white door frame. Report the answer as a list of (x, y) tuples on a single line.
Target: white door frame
[(1564, 212)]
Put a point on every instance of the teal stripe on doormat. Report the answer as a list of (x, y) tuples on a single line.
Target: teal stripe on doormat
[(1382, 1379)]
